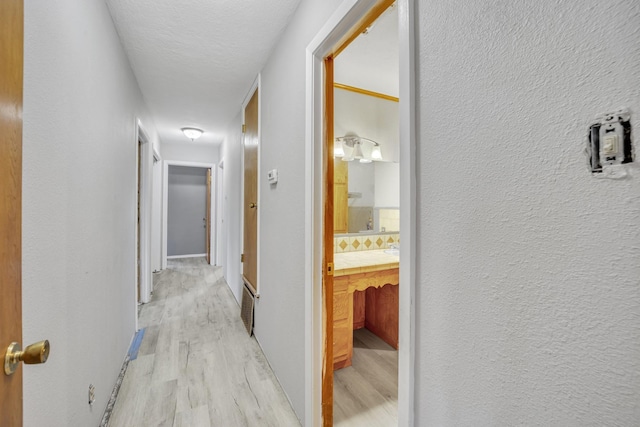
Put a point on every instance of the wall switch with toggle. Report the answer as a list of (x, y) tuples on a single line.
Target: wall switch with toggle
[(272, 176), (610, 140)]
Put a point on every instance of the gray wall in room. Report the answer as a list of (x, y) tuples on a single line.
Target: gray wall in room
[(186, 208)]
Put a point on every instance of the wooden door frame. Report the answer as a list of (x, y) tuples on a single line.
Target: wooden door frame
[(165, 205), (255, 86), (333, 35), (146, 177)]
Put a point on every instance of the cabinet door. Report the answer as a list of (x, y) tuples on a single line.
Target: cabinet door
[(340, 197)]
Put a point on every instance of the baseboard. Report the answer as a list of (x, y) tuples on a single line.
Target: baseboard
[(187, 256)]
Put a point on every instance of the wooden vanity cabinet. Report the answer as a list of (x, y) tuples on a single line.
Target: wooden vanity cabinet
[(340, 197)]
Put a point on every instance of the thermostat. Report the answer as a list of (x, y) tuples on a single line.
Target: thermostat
[(272, 175)]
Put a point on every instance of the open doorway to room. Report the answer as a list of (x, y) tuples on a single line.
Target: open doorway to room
[(144, 156), (188, 212), (366, 222), (187, 206), (331, 296)]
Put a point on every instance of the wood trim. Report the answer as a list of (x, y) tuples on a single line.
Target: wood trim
[(11, 74), (373, 14), (366, 92), (327, 155)]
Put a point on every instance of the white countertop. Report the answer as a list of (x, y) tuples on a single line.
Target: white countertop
[(345, 263)]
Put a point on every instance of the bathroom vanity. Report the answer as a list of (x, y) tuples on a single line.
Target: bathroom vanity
[(365, 294)]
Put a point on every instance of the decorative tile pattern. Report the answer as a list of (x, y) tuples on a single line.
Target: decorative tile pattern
[(365, 242)]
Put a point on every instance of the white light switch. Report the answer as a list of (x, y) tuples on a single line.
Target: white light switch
[(272, 176), (610, 145)]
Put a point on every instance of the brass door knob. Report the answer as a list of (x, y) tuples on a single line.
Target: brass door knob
[(32, 355), (253, 205)]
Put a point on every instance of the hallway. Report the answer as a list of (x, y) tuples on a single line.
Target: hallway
[(196, 366)]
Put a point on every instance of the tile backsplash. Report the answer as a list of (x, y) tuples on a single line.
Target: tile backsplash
[(364, 242)]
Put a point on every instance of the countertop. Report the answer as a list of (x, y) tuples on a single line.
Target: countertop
[(345, 263)]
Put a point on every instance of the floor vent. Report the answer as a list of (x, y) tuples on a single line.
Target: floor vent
[(246, 311)]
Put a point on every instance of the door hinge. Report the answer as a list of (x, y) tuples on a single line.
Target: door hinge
[(244, 128), (329, 269), (241, 257)]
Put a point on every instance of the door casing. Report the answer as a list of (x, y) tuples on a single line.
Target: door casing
[(334, 34)]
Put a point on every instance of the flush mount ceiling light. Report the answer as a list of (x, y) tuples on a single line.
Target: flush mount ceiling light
[(353, 144), (192, 133)]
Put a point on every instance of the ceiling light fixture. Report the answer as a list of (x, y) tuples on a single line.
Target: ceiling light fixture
[(349, 147), (192, 133)]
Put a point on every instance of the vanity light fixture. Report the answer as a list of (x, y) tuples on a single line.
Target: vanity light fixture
[(192, 133), (349, 147)]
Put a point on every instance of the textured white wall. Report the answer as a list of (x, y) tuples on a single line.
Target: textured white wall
[(231, 154), (79, 203), (529, 268)]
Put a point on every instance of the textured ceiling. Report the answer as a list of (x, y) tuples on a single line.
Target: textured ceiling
[(195, 61)]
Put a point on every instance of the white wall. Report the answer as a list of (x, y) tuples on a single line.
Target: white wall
[(79, 202), (190, 152), (529, 268), (279, 313), (231, 154)]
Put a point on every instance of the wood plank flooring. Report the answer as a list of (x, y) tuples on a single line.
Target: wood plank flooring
[(366, 393), (197, 366)]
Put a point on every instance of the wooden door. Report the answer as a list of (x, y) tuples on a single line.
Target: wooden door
[(250, 207), (207, 219), (11, 53)]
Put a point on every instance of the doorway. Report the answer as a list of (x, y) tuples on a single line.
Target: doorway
[(249, 256), (195, 229), (350, 20)]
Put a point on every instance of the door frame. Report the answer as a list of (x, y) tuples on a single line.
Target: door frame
[(332, 34), (156, 188), (219, 180), (165, 206), (146, 177), (255, 86)]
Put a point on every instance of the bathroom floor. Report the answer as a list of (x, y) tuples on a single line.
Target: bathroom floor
[(366, 393)]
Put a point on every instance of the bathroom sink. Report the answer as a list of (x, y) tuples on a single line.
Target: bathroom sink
[(395, 252)]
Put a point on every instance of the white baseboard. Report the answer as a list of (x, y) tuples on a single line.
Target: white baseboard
[(187, 256)]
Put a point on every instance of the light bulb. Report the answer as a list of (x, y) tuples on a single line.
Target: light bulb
[(376, 154), (357, 151), (338, 149)]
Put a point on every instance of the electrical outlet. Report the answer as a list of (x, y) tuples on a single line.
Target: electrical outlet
[(92, 394)]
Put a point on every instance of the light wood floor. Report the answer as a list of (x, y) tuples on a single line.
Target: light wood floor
[(366, 393), (197, 366)]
